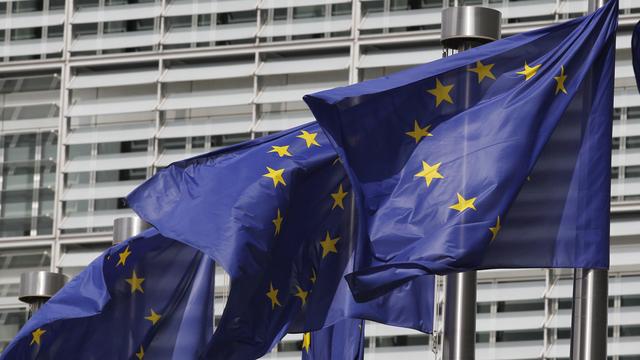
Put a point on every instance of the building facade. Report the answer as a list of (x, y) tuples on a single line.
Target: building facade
[(97, 95)]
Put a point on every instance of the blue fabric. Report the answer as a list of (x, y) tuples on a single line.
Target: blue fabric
[(530, 145), (224, 204), (342, 341), (635, 52), (98, 306)]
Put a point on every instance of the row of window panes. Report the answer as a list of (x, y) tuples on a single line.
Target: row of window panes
[(629, 172)]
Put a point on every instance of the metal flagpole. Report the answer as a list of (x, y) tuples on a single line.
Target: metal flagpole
[(590, 294), (464, 27), (126, 227)]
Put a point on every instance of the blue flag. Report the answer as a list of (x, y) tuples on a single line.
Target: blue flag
[(635, 52), (342, 341), (496, 157), (275, 213), (148, 297)]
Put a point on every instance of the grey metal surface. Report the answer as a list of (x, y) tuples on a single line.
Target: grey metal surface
[(469, 24), (126, 227), (595, 4), (38, 285), (589, 315), (459, 331)]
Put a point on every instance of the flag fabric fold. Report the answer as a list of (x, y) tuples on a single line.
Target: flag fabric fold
[(496, 157), (343, 340), (275, 213), (153, 294)]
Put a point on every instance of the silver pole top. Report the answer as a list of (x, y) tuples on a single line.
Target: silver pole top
[(40, 286), (126, 227), (464, 24)]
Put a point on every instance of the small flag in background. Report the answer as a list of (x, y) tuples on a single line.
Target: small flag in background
[(342, 341), (275, 213), (496, 157), (147, 297), (635, 52)]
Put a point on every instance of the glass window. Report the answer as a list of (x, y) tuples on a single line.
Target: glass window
[(307, 12), (632, 171), (11, 320), (615, 143), (633, 142), (510, 306), (529, 335)]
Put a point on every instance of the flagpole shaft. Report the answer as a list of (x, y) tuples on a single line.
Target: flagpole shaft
[(589, 315), (463, 28), (459, 332)]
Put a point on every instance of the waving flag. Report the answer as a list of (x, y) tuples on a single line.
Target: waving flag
[(153, 294), (342, 341), (496, 157), (635, 52), (275, 213)]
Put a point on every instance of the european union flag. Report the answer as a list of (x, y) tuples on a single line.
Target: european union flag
[(496, 157), (635, 52), (343, 340), (275, 213), (148, 297)]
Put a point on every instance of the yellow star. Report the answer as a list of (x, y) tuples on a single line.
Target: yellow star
[(560, 80), (135, 282), (429, 172), (276, 176), (463, 204), (441, 92), (329, 245), (302, 295), (313, 277), (35, 336), (273, 296), (529, 71), (418, 133), (310, 138), (123, 256), (278, 222), (154, 318), (140, 354), (483, 71), (306, 341), (281, 150), (494, 230), (338, 197)]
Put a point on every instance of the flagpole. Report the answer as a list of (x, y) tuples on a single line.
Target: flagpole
[(126, 227), (590, 295), (464, 27)]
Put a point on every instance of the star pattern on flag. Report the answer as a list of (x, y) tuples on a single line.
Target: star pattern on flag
[(309, 138), (495, 229), (483, 71), (329, 245), (560, 81), (441, 92), (529, 71), (276, 176), (36, 336), (140, 353), (278, 222), (463, 204), (135, 282), (302, 295), (123, 256), (429, 172), (338, 198), (419, 132), (153, 317), (272, 294), (306, 341), (313, 276), (280, 150)]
